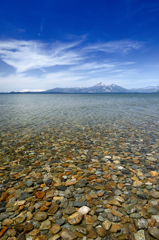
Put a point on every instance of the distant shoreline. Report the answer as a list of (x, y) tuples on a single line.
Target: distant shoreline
[(13, 93)]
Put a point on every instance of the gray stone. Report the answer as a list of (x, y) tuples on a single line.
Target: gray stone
[(68, 193), (81, 183), (114, 178), (67, 225), (98, 172), (79, 203), (141, 223), (29, 183), (140, 235), (24, 195), (135, 215), (156, 217), (69, 210), (118, 193), (152, 211), (58, 214), (154, 194), (3, 209), (101, 219), (154, 232), (80, 229), (18, 193), (131, 209), (135, 167), (36, 224), (134, 201), (157, 187), (60, 221), (64, 203), (61, 188)]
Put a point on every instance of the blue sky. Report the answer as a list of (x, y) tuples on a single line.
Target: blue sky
[(73, 43)]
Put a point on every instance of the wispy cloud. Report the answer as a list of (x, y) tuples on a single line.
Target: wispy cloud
[(123, 46), (64, 63), (26, 55)]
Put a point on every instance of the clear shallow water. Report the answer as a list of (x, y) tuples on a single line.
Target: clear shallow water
[(69, 115)]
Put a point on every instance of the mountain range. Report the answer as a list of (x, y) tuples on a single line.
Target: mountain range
[(99, 88), (102, 88)]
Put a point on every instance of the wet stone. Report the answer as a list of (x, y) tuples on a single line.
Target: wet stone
[(79, 204), (45, 225), (154, 232), (100, 231), (70, 210), (68, 235), (84, 210), (80, 181), (40, 216), (29, 183), (53, 209), (155, 194), (75, 218), (55, 228), (135, 215), (68, 194), (60, 222), (24, 195), (131, 209), (141, 223), (11, 232), (80, 229), (140, 235), (4, 216), (107, 224), (61, 188)]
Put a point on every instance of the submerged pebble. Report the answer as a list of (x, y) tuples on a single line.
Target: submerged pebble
[(80, 179)]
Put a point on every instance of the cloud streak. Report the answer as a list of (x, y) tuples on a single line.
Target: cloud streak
[(124, 46), (26, 55), (65, 63)]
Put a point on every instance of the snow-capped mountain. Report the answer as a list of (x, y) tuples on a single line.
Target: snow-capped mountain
[(98, 88), (149, 89)]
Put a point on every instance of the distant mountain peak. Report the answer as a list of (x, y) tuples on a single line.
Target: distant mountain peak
[(99, 88), (100, 85)]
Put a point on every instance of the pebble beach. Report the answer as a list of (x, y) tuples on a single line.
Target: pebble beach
[(95, 176)]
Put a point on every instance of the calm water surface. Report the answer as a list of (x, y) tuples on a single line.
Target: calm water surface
[(69, 115)]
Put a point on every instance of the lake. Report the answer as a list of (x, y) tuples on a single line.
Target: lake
[(112, 122)]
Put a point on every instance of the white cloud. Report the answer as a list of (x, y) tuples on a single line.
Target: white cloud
[(123, 46), (26, 55), (80, 63)]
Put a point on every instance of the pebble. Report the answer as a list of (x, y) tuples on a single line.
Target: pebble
[(154, 232), (40, 216), (107, 224), (141, 223), (84, 210), (45, 225), (75, 218), (68, 235), (140, 235), (92, 184)]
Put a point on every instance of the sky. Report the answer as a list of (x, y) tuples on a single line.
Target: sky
[(78, 43)]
